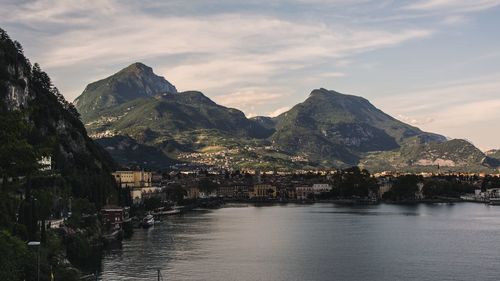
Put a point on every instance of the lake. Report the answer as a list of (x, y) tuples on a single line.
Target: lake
[(316, 242)]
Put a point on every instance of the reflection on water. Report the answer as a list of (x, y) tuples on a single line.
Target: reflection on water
[(316, 242)]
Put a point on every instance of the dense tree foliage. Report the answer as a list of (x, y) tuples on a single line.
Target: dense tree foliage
[(404, 188), (354, 182), (175, 193), (206, 185), (13, 256), (445, 188), (490, 182)]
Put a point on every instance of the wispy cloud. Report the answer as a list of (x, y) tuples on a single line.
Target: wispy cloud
[(218, 51), (454, 5), (415, 121), (249, 98), (458, 109), (278, 111)]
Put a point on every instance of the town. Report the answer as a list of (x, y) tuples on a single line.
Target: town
[(352, 183)]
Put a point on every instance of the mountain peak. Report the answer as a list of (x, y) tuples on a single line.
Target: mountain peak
[(132, 82), (332, 93), (138, 67)]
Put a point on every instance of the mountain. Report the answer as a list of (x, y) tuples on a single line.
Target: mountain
[(134, 81), (494, 153), (329, 126), (328, 129), (173, 113), (130, 153), (154, 114), (452, 155), (265, 121)]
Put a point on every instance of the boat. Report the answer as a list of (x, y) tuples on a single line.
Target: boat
[(116, 235), (495, 201), (148, 221), (162, 212), (171, 212)]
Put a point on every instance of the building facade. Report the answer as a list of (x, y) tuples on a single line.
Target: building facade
[(133, 179), (263, 191)]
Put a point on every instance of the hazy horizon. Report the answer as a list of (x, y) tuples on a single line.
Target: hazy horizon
[(434, 64)]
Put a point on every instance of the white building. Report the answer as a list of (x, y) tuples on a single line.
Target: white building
[(319, 188), (45, 163), (303, 192)]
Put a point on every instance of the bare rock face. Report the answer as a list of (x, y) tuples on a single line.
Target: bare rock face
[(17, 94)]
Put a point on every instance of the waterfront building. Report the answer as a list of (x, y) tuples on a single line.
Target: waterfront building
[(319, 188), (385, 184), (304, 192), (263, 191), (290, 193), (242, 191), (112, 216), (133, 179), (140, 194), (204, 194), (139, 183), (192, 193), (227, 191), (233, 191)]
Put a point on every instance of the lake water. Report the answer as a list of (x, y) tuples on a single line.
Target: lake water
[(316, 242)]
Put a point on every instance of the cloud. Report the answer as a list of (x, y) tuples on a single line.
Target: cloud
[(278, 111), (415, 121), (249, 97), (455, 20), (454, 5), (216, 53), (459, 109), (332, 74)]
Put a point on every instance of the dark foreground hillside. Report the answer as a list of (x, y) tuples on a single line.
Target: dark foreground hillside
[(36, 124)]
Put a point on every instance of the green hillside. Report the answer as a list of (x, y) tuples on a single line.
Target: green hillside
[(330, 125)]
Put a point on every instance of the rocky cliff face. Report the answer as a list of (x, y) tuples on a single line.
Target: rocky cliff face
[(14, 73)]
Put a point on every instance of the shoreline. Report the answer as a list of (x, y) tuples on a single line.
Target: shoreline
[(346, 202)]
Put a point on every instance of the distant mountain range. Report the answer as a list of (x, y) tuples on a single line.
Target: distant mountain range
[(141, 119)]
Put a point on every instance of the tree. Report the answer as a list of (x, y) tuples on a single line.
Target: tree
[(40, 79), (152, 203), (14, 258), (19, 157), (175, 193), (355, 182), (207, 186), (445, 188), (404, 188)]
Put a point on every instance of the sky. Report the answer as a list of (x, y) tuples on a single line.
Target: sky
[(434, 64)]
